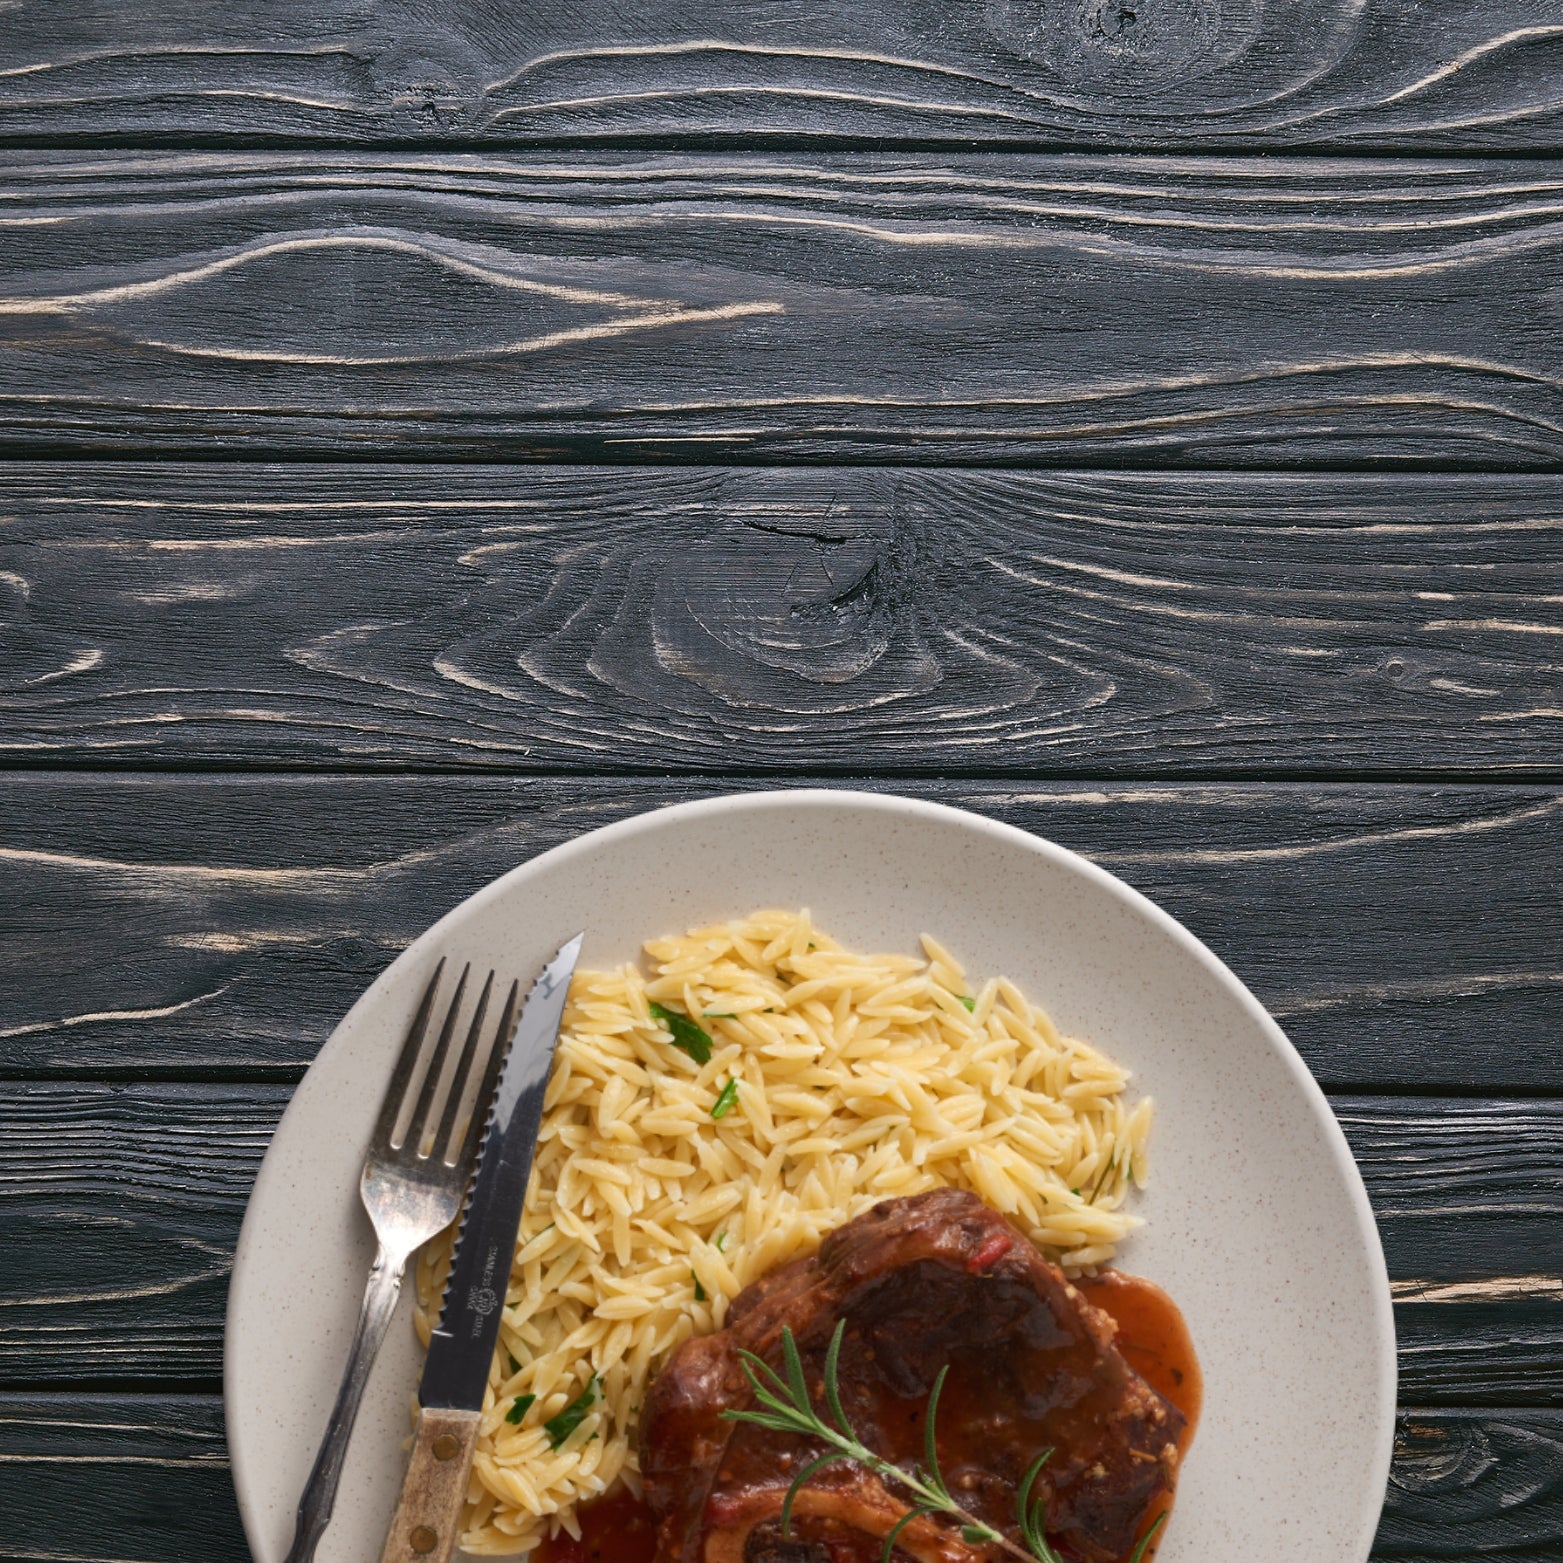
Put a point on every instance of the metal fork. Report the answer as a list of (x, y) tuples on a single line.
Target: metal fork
[(412, 1186)]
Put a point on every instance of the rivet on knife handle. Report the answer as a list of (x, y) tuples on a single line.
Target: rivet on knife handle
[(428, 1517)]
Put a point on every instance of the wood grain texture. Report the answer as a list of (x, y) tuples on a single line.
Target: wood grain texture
[(1473, 1187), (234, 920), (1463, 1190), (145, 1479), (574, 618), (120, 1207), (125, 1200), (427, 1521), (1476, 1484), (1226, 312), (104, 1477), (1508, 1352), (1167, 73)]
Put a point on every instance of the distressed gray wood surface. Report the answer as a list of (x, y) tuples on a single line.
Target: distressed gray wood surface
[(75, 1480), (128, 1199), (107, 1477), (938, 631), (1475, 1484), (569, 618), (1404, 936), (1079, 309), (1169, 73)]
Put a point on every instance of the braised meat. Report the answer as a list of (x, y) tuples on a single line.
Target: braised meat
[(933, 1279)]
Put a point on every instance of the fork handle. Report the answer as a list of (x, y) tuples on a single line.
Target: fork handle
[(428, 1513), (314, 1508)]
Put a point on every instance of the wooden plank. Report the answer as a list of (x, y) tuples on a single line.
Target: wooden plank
[(1464, 1190), (1468, 1196), (126, 1200), (579, 618), (95, 1477), (233, 919), (1445, 73), (1213, 312), (1477, 1353), (145, 1479), (1469, 1484), (120, 1208)]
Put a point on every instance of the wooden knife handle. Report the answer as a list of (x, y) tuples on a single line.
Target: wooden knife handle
[(428, 1513)]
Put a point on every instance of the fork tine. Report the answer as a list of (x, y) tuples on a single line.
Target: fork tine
[(431, 1080), (467, 1158), (458, 1080), (396, 1086)]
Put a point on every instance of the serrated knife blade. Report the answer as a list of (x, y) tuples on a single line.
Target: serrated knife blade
[(455, 1372)]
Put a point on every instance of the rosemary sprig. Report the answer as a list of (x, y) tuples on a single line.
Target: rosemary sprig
[(1145, 1540), (788, 1408), (1033, 1516), (1107, 1172)]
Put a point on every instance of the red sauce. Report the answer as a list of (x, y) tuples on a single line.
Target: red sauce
[(1152, 1336), (1156, 1343), (616, 1528)]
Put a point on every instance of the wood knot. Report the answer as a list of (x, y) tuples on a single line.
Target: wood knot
[(792, 586), (748, 607), (1463, 1485), (1126, 48), (781, 599), (1439, 1456), (794, 604)]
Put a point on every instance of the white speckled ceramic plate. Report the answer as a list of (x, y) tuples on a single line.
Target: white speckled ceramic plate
[(1257, 1222)]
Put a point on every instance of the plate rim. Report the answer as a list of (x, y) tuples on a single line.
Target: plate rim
[(1386, 1383)]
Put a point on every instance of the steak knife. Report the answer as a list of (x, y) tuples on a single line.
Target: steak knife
[(455, 1373)]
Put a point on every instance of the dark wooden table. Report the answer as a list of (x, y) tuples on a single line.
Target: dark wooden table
[(431, 431)]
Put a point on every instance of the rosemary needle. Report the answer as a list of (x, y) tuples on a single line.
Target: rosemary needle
[(786, 1407)]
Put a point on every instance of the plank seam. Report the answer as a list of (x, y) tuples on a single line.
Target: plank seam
[(768, 779), (1363, 147), (18, 452)]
